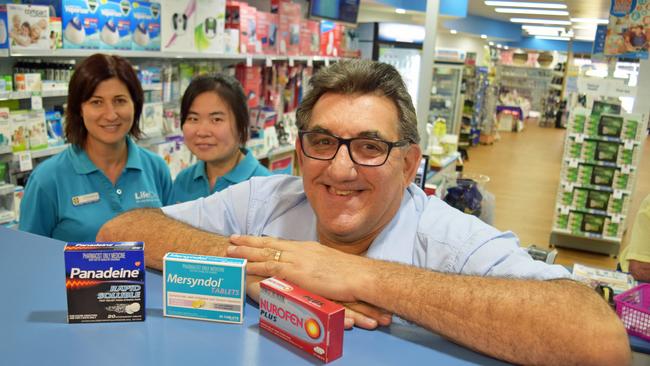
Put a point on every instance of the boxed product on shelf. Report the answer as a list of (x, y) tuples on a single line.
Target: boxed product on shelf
[(28, 82), (267, 32), (151, 120), (289, 28), (589, 175), (251, 79), (330, 38), (28, 26), (231, 41), (349, 41), (4, 30), (209, 25), (6, 83), (5, 128), (241, 17), (19, 192), (603, 151), (56, 33), (177, 23), (590, 225), (309, 37), (598, 200), (80, 21), (282, 163), (114, 25), (37, 129), (18, 131), (145, 26)]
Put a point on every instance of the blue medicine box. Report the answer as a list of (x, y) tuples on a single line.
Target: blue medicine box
[(204, 287)]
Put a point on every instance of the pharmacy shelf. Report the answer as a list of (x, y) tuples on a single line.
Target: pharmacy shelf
[(69, 53), (37, 154), (6, 188), (276, 151)]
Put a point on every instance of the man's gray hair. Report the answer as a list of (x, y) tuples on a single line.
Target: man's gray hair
[(362, 77)]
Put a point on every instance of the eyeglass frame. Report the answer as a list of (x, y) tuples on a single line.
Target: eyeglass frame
[(346, 142)]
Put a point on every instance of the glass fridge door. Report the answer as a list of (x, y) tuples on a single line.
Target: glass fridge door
[(407, 62), (445, 96)]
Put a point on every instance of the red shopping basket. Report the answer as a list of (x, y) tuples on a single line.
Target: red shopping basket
[(633, 307)]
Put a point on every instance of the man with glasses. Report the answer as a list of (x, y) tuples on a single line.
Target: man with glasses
[(355, 229)]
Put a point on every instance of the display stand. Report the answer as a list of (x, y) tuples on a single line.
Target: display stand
[(601, 155)]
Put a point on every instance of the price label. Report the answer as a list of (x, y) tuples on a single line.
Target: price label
[(37, 102), (25, 161), (327, 62), (580, 138), (573, 163), (629, 145), (291, 62), (269, 62), (249, 60), (618, 194), (564, 210), (310, 62), (616, 219)]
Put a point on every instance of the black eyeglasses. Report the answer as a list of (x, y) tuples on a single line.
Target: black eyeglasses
[(363, 150)]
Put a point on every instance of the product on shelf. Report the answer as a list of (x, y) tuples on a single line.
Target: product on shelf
[(5, 129), (209, 25), (178, 24), (267, 32), (56, 33), (80, 22), (151, 120), (114, 24), (28, 26), (145, 26), (4, 31), (330, 38), (289, 32)]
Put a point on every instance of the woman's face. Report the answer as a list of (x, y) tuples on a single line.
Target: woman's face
[(210, 130), (108, 114)]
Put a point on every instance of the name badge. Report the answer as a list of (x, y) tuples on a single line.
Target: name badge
[(85, 199)]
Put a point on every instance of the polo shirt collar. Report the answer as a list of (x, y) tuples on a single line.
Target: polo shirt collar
[(241, 172), (82, 164)]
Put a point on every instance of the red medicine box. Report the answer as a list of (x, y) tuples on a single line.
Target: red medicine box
[(305, 320)]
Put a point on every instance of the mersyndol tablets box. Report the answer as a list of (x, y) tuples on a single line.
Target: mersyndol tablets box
[(105, 282), (307, 321), (204, 287)]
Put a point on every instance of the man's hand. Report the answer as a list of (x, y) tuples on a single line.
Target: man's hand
[(315, 267)]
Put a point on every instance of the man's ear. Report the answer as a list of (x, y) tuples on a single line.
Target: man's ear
[(411, 163)]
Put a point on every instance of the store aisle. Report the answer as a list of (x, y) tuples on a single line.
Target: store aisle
[(524, 171)]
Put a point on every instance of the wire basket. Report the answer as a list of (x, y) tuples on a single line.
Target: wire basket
[(633, 307)]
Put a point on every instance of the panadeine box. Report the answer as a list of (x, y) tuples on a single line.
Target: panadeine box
[(204, 287), (105, 282), (305, 320)]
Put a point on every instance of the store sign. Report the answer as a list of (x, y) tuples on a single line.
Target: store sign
[(598, 87), (628, 34)]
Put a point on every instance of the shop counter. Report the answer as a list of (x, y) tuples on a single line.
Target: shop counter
[(34, 330)]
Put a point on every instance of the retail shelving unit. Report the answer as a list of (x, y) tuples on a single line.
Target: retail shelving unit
[(532, 83), (445, 99), (599, 169)]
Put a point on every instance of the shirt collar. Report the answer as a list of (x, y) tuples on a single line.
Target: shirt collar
[(83, 165), (242, 171)]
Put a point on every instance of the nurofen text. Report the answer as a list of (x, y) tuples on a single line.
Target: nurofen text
[(105, 282), (305, 320), (204, 287)]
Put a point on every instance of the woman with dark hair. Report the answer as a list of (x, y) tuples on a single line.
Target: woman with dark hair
[(214, 119), (103, 172)]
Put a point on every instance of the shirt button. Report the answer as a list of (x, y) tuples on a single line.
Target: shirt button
[(119, 191)]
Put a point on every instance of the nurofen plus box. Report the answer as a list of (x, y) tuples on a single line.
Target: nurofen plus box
[(105, 282), (301, 318), (204, 287)]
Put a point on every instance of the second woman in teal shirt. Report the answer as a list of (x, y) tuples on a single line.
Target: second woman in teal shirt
[(214, 119)]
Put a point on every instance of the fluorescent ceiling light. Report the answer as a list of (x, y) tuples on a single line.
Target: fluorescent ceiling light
[(555, 38), (585, 38), (520, 4), (491, 43), (540, 21), (483, 36), (499, 45), (531, 11), (590, 20), (585, 26), (506, 47), (400, 11), (542, 28), (453, 31)]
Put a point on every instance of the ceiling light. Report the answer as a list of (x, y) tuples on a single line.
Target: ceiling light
[(483, 36), (520, 4), (531, 11), (506, 47), (540, 21), (499, 45), (585, 26), (453, 31), (585, 38), (590, 20), (555, 38), (400, 11), (491, 43)]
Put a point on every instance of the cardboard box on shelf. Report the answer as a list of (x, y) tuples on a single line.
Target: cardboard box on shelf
[(209, 25), (177, 25), (80, 21), (28, 26), (145, 26), (114, 25)]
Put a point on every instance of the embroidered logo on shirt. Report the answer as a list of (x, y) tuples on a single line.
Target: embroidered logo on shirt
[(85, 199), (144, 196)]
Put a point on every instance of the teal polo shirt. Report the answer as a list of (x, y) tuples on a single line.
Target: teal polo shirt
[(193, 183), (68, 198)]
